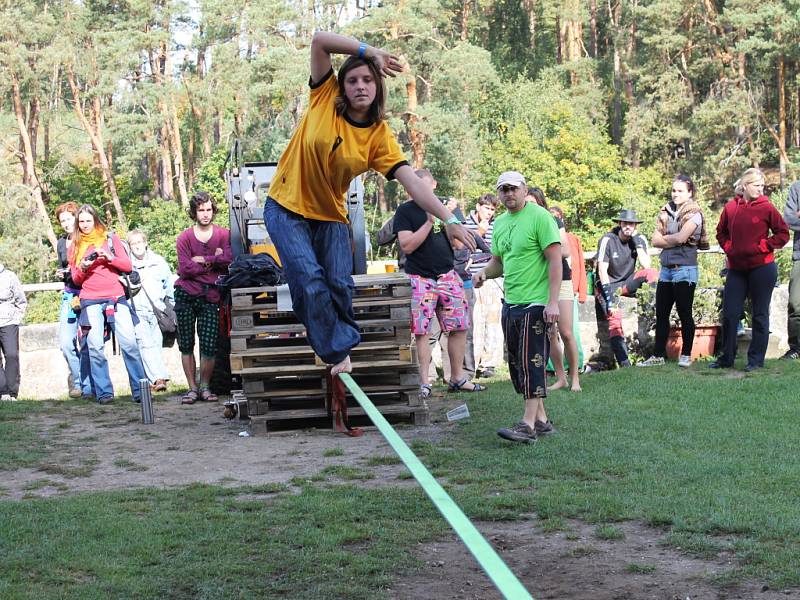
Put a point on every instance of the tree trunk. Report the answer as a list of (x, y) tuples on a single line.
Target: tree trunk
[(175, 128), (415, 137), (167, 186), (781, 109), (30, 163), (530, 9), (465, 6), (96, 138), (593, 27)]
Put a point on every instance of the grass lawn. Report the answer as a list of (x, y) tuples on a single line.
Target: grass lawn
[(710, 458)]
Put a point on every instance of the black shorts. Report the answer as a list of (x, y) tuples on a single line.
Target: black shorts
[(526, 340)]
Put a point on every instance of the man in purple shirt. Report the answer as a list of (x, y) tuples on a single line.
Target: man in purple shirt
[(204, 253)]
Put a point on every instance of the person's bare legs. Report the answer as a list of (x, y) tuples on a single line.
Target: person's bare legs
[(206, 370), (557, 358), (344, 366), (565, 325), (456, 346), (423, 357), (189, 369), (534, 411)]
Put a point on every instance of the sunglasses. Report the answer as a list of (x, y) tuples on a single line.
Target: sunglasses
[(507, 188)]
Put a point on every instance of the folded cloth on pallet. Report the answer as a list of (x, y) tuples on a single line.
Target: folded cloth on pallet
[(252, 270)]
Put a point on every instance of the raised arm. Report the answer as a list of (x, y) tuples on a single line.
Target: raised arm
[(326, 43)]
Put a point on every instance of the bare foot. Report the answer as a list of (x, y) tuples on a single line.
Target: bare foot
[(559, 384), (575, 387), (342, 367)]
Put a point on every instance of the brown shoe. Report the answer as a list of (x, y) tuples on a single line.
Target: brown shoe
[(160, 385)]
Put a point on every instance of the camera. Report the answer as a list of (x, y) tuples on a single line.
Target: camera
[(92, 256)]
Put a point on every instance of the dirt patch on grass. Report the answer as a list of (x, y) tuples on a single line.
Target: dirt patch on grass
[(575, 564), (95, 448)]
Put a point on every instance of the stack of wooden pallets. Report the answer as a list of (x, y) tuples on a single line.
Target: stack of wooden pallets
[(284, 380)]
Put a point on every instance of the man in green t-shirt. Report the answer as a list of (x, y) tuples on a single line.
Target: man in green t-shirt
[(526, 250)]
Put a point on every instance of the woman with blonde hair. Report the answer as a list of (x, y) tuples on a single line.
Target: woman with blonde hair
[(750, 229)]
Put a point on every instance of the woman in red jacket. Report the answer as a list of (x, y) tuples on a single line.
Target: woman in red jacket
[(97, 259), (750, 228)]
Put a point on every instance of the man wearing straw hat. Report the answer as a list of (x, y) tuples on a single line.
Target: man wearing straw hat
[(526, 251), (617, 254)]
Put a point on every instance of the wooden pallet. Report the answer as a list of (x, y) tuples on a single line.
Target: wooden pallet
[(283, 379), (367, 288), (302, 418), (276, 357)]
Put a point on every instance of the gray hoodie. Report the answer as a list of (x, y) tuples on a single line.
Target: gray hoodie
[(12, 299), (790, 216)]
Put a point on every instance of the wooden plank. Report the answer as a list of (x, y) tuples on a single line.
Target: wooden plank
[(314, 369), (299, 328)]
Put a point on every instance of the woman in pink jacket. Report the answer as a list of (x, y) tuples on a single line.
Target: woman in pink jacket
[(97, 259)]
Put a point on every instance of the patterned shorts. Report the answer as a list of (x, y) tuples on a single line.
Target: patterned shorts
[(528, 347), (443, 297), (189, 309)]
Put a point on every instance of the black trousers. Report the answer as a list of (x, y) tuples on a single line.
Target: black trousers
[(681, 295), (9, 372), (756, 284)]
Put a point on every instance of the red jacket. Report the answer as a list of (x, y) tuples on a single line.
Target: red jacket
[(101, 280), (744, 231)]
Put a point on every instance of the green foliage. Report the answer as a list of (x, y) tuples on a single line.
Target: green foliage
[(162, 221), (23, 249), (210, 177), (43, 307), (562, 151)]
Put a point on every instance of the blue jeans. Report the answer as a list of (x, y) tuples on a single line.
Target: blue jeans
[(66, 341), (93, 350), (318, 264), (150, 340), (678, 274)]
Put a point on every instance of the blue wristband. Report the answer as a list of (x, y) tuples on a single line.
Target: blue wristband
[(362, 49), (452, 221)]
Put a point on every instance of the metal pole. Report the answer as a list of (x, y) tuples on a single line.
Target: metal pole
[(147, 402)]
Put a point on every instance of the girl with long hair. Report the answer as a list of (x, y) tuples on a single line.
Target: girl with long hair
[(96, 267), (680, 232), (343, 134)]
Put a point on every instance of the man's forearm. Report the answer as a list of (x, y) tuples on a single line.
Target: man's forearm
[(554, 278), (494, 269)]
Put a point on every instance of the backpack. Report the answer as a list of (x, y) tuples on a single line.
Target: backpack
[(131, 281)]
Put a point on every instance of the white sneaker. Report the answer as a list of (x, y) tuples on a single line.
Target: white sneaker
[(6, 398), (684, 361), (653, 361)]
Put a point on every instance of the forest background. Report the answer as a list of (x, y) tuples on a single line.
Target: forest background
[(130, 105)]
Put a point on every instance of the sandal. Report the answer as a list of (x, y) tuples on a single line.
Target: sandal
[(206, 395), (458, 386), (425, 391), (189, 397)]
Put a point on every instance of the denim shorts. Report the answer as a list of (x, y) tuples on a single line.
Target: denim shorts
[(678, 274)]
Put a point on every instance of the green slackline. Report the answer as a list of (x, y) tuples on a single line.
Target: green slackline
[(492, 564)]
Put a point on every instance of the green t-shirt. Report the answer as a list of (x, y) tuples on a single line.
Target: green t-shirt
[(519, 239)]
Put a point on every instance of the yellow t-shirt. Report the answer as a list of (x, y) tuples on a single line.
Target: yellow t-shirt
[(325, 153)]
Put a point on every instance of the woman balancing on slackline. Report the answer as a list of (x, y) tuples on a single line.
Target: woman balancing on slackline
[(342, 134)]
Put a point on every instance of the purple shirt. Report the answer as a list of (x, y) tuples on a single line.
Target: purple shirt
[(198, 279)]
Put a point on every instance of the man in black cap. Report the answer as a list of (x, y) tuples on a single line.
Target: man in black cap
[(617, 254)]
